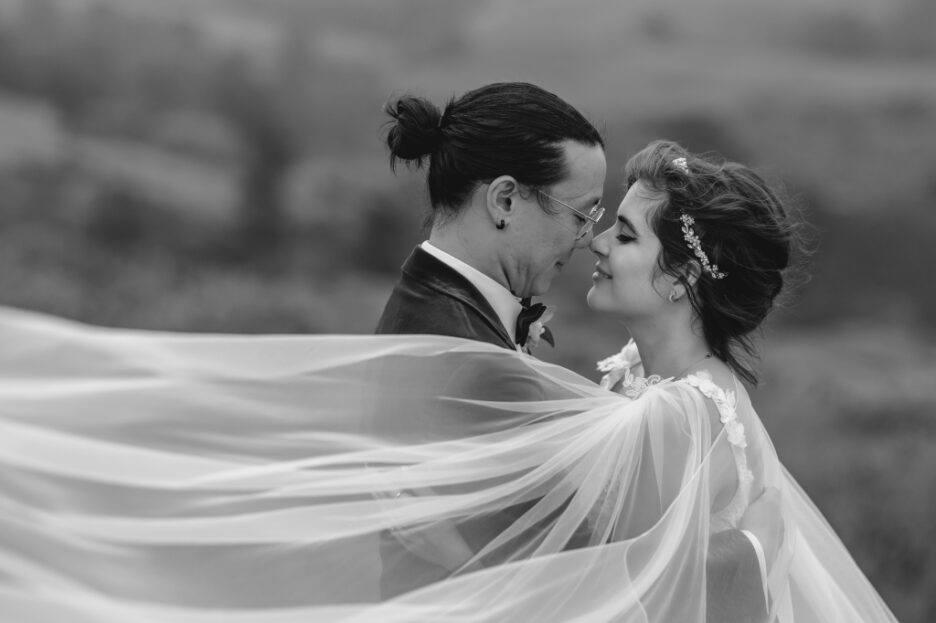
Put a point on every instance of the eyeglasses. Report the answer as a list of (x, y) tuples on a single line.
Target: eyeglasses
[(591, 218)]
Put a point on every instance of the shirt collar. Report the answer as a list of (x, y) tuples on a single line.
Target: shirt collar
[(505, 304)]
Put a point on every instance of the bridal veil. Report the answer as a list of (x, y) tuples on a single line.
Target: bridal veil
[(205, 478)]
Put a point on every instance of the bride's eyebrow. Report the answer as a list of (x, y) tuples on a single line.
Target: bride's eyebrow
[(623, 220)]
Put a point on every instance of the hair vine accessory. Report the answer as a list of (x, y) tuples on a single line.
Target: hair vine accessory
[(682, 165), (695, 244)]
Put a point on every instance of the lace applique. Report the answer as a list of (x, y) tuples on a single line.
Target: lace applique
[(617, 367), (633, 386), (726, 402)]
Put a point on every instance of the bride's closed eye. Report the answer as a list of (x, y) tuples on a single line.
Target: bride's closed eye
[(626, 232)]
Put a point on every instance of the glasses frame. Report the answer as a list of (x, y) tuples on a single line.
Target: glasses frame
[(591, 218)]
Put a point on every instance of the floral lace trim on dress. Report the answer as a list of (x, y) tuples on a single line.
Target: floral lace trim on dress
[(726, 402), (618, 368)]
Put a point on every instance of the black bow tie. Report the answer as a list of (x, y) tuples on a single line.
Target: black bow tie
[(528, 315)]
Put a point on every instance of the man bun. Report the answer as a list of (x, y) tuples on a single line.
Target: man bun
[(414, 130)]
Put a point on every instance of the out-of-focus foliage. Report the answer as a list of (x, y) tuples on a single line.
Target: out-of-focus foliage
[(215, 165)]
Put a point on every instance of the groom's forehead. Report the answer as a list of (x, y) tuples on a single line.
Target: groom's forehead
[(585, 163)]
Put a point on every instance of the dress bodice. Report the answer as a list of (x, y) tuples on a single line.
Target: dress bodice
[(624, 375)]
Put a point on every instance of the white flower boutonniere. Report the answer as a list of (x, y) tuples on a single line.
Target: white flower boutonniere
[(539, 330)]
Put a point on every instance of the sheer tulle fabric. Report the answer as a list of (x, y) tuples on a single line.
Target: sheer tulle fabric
[(195, 478)]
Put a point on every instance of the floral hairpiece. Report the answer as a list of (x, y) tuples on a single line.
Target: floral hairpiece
[(682, 165), (695, 244)]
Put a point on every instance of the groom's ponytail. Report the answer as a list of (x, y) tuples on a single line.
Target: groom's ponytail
[(510, 128)]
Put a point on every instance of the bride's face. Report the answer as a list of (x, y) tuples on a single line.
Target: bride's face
[(626, 278)]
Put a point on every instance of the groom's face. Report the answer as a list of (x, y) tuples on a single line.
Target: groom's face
[(543, 242)]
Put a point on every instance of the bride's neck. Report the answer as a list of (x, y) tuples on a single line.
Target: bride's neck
[(669, 351)]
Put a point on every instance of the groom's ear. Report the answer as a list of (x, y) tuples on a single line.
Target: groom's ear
[(501, 198)]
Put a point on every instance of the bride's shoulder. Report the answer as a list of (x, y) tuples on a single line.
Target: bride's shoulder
[(719, 391), (722, 389), (617, 366), (715, 381)]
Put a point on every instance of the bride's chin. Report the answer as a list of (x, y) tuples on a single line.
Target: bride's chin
[(602, 301), (592, 299)]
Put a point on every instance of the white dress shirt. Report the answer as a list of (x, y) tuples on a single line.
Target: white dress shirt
[(505, 304)]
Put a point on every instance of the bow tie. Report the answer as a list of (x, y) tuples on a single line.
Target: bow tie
[(528, 315)]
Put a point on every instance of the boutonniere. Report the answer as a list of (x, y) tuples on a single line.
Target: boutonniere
[(539, 331)]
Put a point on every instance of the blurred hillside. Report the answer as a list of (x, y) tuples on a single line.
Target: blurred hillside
[(216, 165)]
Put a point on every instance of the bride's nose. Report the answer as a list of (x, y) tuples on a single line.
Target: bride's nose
[(599, 244)]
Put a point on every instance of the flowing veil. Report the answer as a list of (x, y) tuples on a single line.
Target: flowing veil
[(184, 478)]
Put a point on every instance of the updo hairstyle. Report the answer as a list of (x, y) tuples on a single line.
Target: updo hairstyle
[(744, 229)]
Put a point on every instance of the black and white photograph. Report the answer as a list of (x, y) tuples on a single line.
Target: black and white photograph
[(481, 311)]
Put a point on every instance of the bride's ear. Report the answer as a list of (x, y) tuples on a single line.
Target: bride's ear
[(688, 277), (691, 272)]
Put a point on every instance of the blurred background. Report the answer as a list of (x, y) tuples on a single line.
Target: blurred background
[(216, 165)]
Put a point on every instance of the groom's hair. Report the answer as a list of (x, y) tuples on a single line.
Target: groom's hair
[(507, 128), (742, 226)]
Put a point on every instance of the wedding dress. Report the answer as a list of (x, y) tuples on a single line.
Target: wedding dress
[(204, 478)]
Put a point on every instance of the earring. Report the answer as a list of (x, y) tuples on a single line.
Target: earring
[(501, 224), (673, 297)]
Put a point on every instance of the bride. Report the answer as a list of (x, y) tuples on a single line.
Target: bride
[(194, 478)]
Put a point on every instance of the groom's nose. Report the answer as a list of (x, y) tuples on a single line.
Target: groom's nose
[(586, 240)]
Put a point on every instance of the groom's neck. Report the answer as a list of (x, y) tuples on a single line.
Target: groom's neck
[(457, 241)]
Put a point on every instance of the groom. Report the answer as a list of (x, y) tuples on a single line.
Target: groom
[(516, 176)]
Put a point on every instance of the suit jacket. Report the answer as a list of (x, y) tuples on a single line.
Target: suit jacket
[(432, 297)]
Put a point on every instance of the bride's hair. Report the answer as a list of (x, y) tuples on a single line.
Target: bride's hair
[(510, 128), (744, 228)]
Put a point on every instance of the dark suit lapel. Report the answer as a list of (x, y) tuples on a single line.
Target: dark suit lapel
[(439, 276)]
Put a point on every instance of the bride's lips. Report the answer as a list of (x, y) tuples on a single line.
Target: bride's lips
[(600, 274)]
